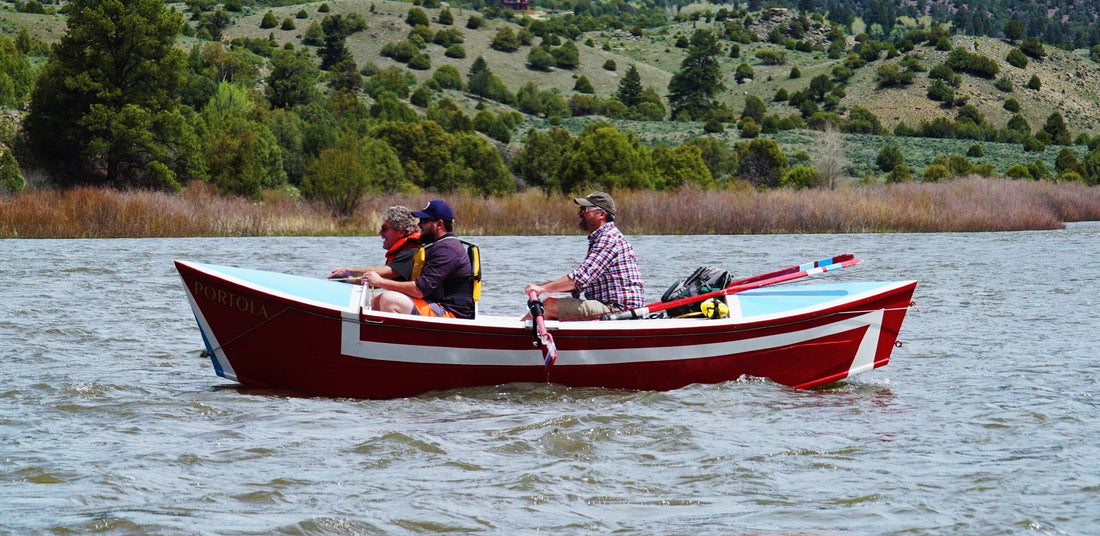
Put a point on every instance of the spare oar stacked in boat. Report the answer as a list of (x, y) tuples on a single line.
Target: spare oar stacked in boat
[(779, 276)]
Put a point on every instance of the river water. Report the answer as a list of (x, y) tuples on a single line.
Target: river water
[(986, 421)]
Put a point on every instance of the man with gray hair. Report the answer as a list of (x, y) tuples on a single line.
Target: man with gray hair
[(400, 238)]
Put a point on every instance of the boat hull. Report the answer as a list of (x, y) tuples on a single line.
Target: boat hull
[(312, 336)]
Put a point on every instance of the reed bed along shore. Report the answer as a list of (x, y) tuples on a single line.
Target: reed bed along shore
[(970, 204)]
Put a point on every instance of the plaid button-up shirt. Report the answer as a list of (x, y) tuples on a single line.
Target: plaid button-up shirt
[(609, 272)]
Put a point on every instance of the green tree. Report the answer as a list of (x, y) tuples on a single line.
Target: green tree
[(292, 80), (436, 160), (719, 159), (889, 157), (336, 31), (754, 108), (1016, 58), (106, 108), (505, 40), (446, 18), (417, 17), (583, 85), (1091, 167), (540, 60), (1032, 47), (761, 162), (448, 77), (691, 90), (1067, 161), (340, 176), (603, 156), (269, 21), (567, 56), (1014, 30), (1056, 127), (743, 72), (16, 75), (537, 162), (679, 166), (11, 178), (799, 177), (630, 87), (242, 154)]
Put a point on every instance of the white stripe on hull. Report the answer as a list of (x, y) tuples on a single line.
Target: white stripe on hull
[(352, 345)]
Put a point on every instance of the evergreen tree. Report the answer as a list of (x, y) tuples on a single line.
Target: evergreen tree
[(106, 108), (889, 158), (335, 48), (11, 179), (630, 87), (583, 85), (293, 79), (1056, 127), (692, 88), (242, 153)]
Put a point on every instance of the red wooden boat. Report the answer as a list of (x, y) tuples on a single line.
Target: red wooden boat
[(314, 336)]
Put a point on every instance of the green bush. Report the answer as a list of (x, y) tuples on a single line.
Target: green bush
[(269, 21), (1016, 58), (1018, 171), (455, 51), (900, 173), (11, 179), (799, 177), (889, 157), (935, 173), (420, 62)]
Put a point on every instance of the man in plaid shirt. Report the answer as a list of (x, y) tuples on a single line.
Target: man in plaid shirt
[(608, 277)]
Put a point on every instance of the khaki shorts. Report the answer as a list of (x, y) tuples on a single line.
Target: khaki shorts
[(573, 308)]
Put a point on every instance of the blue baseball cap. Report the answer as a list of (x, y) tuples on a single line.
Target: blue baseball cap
[(435, 210)]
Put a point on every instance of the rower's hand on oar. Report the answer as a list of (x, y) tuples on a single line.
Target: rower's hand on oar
[(339, 273), (372, 279)]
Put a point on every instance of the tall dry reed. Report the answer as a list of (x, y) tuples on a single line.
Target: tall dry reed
[(971, 204)]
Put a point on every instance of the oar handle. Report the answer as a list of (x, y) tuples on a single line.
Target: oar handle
[(542, 335)]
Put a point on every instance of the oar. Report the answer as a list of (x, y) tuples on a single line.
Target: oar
[(779, 276), (795, 269), (546, 342)]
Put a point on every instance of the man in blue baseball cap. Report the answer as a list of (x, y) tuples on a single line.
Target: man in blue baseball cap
[(444, 286)]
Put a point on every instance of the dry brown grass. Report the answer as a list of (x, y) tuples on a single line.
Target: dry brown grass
[(972, 204)]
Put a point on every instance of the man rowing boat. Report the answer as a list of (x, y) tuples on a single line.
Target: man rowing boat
[(608, 278)]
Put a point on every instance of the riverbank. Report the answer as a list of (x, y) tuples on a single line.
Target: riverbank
[(971, 204)]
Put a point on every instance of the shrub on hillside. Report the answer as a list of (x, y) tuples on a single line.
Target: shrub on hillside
[(935, 173), (1018, 171), (269, 21), (1033, 48), (1016, 58), (889, 157), (799, 177)]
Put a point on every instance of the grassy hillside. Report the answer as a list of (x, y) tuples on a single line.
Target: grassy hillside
[(1070, 81)]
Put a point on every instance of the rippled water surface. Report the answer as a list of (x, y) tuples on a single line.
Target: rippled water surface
[(986, 421)]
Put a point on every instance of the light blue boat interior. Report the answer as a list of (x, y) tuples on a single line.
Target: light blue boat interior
[(761, 301), (319, 290), (771, 300)]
